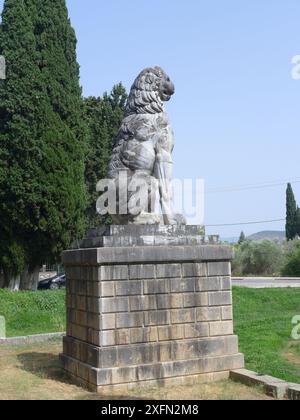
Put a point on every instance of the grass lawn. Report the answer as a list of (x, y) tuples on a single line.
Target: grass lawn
[(28, 313), (262, 321), (33, 372)]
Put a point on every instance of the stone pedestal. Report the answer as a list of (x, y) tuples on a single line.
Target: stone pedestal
[(149, 315)]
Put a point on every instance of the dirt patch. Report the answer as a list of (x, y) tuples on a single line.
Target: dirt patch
[(33, 372), (292, 355)]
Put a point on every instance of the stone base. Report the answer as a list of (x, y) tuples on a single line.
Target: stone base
[(146, 235), (179, 372), (189, 380), (149, 315)]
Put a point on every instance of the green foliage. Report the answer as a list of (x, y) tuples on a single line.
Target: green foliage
[(103, 117), (12, 258), (258, 258), (298, 221), (291, 214), (42, 135), (29, 313), (242, 238), (292, 264)]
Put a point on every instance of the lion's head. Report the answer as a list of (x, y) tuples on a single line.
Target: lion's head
[(150, 90)]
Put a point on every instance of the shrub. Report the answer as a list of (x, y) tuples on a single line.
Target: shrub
[(258, 258), (292, 264)]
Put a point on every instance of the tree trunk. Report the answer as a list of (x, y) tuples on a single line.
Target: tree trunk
[(11, 282), (2, 280), (30, 279)]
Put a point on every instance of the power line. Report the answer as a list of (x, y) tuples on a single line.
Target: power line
[(247, 223), (247, 187)]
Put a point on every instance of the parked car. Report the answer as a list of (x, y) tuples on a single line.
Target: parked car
[(53, 283)]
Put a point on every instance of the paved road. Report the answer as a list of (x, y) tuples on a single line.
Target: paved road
[(266, 282)]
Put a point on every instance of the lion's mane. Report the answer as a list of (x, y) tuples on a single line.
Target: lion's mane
[(144, 101), (144, 96)]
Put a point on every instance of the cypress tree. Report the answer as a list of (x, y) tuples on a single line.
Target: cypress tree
[(19, 99), (103, 117), (291, 214), (41, 134), (298, 222), (242, 238)]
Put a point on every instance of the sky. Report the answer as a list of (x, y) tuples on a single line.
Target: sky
[(236, 109)]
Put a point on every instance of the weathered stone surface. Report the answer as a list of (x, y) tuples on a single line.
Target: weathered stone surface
[(164, 370), (80, 303), (79, 332), (219, 298), (29, 339), (227, 313), (152, 352), (97, 289), (142, 255), (182, 285), (192, 300), (115, 272), (205, 284), (143, 235), (129, 288), (157, 318), (220, 328), (143, 156), (203, 378), (146, 230), (273, 387), (77, 317), (226, 283), (108, 338), (174, 332), (143, 335), (143, 303), (123, 337), (173, 301), (142, 271), (196, 330), (183, 316), (194, 270), (168, 271), (130, 320), (108, 289), (219, 269), (142, 312), (111, 305), (94, 337), (208, 314), (108, 321), (293, 392), (94, 304), (153, 287)]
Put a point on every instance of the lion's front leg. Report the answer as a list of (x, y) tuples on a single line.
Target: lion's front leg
[(163, 171)]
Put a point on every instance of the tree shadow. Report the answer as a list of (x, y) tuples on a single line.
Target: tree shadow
[(44, 365), (49, 366)]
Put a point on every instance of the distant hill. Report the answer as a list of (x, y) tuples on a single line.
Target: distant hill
[(267, 234), (229, 240)]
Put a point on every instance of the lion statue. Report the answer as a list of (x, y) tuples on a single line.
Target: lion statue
[(142, 154)]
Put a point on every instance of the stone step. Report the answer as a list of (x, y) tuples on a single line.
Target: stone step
[(145, 235), (125, 241), (147, 230), (147, 353), (147, 372)]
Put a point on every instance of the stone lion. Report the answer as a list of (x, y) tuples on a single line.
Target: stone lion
[(143, 153)]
